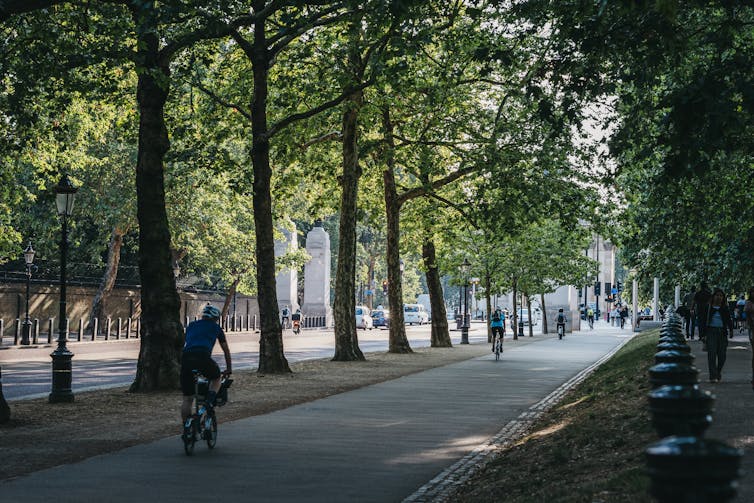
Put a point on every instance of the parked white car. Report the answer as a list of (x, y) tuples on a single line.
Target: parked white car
[(415, 313), (364, 318)]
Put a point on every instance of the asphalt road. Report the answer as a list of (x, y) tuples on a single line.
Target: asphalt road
[(27, 371)]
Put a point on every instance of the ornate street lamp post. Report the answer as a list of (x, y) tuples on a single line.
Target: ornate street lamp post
[(29, 259), (65, 193), (464, 268)]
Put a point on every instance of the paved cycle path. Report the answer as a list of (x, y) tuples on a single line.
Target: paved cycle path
[(379, 443)]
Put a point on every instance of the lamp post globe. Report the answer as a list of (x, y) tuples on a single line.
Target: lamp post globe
[(464, 269), (65, 193), (29, 260)]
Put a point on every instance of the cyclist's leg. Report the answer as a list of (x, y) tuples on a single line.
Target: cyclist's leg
[(211, 371)]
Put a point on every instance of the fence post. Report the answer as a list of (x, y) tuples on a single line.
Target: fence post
[(16, 332), (67, 328), (36, 330), (95, 328), (51, 328), (120, 327), (109, 328), (2, 330), (128, 327), (138, 327), (81, 329)]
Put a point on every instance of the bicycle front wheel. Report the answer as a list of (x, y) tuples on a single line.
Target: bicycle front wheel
[(210, 431)]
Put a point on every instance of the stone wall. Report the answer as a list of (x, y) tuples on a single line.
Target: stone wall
[(44, 303)]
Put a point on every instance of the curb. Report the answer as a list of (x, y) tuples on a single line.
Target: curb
[(442, 487)]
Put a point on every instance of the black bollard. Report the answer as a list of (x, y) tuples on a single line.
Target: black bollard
[(673, 373), (674, 356), (681, 410), (674, 346), (692, 469)]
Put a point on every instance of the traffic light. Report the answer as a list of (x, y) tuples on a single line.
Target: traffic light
[(620, 286), (384, 287), (597, 288)]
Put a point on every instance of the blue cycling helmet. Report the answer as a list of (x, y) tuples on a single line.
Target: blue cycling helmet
[(210, 311)]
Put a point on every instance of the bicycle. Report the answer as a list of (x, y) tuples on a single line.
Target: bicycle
[(561, 330), (498, 347), (202, 424)]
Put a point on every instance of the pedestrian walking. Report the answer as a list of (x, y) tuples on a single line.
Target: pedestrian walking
[(715, 326), (749, 314), (623, 315), (701, 299)]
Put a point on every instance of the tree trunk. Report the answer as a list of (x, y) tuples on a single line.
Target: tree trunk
[(99, 305), (346, 339), (531, 320), (515, 311), (544, 315), (488, 288), (271, 357), (229, 296), (398, 342), (161, 330), (4, 408), (440, 337)]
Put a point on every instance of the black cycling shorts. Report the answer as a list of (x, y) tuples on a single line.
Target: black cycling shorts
[(196, 361)]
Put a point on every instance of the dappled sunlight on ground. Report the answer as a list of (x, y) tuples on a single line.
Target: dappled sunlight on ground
[(544, 432), (453, 449)]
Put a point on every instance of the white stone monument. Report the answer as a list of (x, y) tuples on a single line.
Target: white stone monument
[(317, 276), (287, 280)]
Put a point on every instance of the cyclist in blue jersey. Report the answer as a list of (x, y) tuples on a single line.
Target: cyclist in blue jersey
[(201, 336)]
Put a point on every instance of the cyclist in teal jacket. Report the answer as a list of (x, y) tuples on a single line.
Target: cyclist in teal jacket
[(497, 325), (201, 336)]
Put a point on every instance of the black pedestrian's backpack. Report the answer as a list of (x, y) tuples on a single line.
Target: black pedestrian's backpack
[(561, 318)]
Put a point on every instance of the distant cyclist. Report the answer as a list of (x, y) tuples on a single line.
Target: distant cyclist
[(561, 322), (590, 317), (497, 325), (197, 355)]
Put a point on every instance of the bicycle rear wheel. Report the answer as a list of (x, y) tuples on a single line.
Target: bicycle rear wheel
[(210, 431), (189, 436)]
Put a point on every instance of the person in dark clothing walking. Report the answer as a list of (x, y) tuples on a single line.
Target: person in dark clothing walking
[(701, 300), (715, 325)]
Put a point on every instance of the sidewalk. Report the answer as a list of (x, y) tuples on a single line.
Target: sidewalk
[(379, 443), (733, 417)]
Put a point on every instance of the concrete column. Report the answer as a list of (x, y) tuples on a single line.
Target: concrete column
[(635, 302), (656, 300), (677, 296), (317, 275), (287, 280)]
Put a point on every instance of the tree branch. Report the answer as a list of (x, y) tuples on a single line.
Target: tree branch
[(274, 129), (429, 189), (335, 135), (221, 101)]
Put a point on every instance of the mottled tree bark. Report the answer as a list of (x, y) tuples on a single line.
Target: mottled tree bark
[(271, 357), (4, 408), (346, 339), (515, 310), (440, 336), (488, 298), (161, 330), (531, 320), (398, 342), (544, 315)]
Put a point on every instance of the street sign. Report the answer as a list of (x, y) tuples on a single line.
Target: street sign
[(614, 291)]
